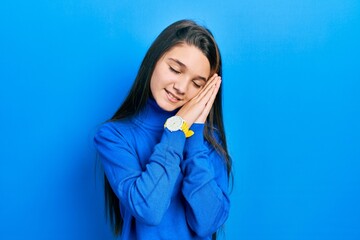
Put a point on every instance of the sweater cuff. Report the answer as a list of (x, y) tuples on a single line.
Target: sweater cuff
[(175, 140), (196, 142)]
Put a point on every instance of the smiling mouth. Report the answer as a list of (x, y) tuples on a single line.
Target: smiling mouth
[(172, 98)]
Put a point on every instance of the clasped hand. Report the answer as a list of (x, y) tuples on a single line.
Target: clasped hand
[(197, 109)]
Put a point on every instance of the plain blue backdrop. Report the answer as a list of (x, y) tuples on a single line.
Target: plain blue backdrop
[(291, 100)]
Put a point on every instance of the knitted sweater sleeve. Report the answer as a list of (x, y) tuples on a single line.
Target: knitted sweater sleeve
[(146, 193), (205, 185)]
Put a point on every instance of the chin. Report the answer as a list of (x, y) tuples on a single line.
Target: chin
[(167, 106)]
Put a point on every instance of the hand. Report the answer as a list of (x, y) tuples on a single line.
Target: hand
[(198, 108), (203, 116)]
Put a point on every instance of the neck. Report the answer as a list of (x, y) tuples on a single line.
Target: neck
[(152, 115)]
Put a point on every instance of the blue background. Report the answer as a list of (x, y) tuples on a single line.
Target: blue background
[(291, 100)]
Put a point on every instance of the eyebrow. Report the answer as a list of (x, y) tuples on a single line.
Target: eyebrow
[(184, 66)]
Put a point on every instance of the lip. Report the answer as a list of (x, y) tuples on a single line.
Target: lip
[(172, 97)]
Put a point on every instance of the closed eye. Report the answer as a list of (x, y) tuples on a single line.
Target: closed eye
[(196, 84), (173, 70)]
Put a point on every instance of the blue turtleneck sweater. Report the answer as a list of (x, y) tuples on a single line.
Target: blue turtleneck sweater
[(169, 186)]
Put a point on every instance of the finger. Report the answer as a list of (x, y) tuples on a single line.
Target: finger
[(213, 96), (212, 80), (193, 109), (208, 88), (209, 104), (208, 84)]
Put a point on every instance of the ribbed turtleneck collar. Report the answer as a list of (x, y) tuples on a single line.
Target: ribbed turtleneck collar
[(152, 115)]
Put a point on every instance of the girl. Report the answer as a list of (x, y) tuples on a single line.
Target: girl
[(164, 151)]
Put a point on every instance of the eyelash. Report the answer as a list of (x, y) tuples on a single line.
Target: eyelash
[(196, 85), (177, 72), (173, 70)]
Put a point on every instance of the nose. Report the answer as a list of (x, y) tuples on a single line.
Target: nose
[(180, 86)]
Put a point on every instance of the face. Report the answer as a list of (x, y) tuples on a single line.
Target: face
[(178, 76)]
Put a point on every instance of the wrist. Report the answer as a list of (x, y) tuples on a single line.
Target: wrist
[(197, 142), (177, 123)]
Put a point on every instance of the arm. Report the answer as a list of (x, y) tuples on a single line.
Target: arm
[(146, 193), (205, 185)]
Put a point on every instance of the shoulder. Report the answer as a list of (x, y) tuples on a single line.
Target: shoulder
[(114, 131)]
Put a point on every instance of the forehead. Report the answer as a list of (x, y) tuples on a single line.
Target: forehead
[(194, 60)]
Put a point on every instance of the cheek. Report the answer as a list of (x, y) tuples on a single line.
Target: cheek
[(156, 81), (152, 85), (193, 92), (161, 77)]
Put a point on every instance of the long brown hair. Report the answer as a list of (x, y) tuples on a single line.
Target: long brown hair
[(183, 31)]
